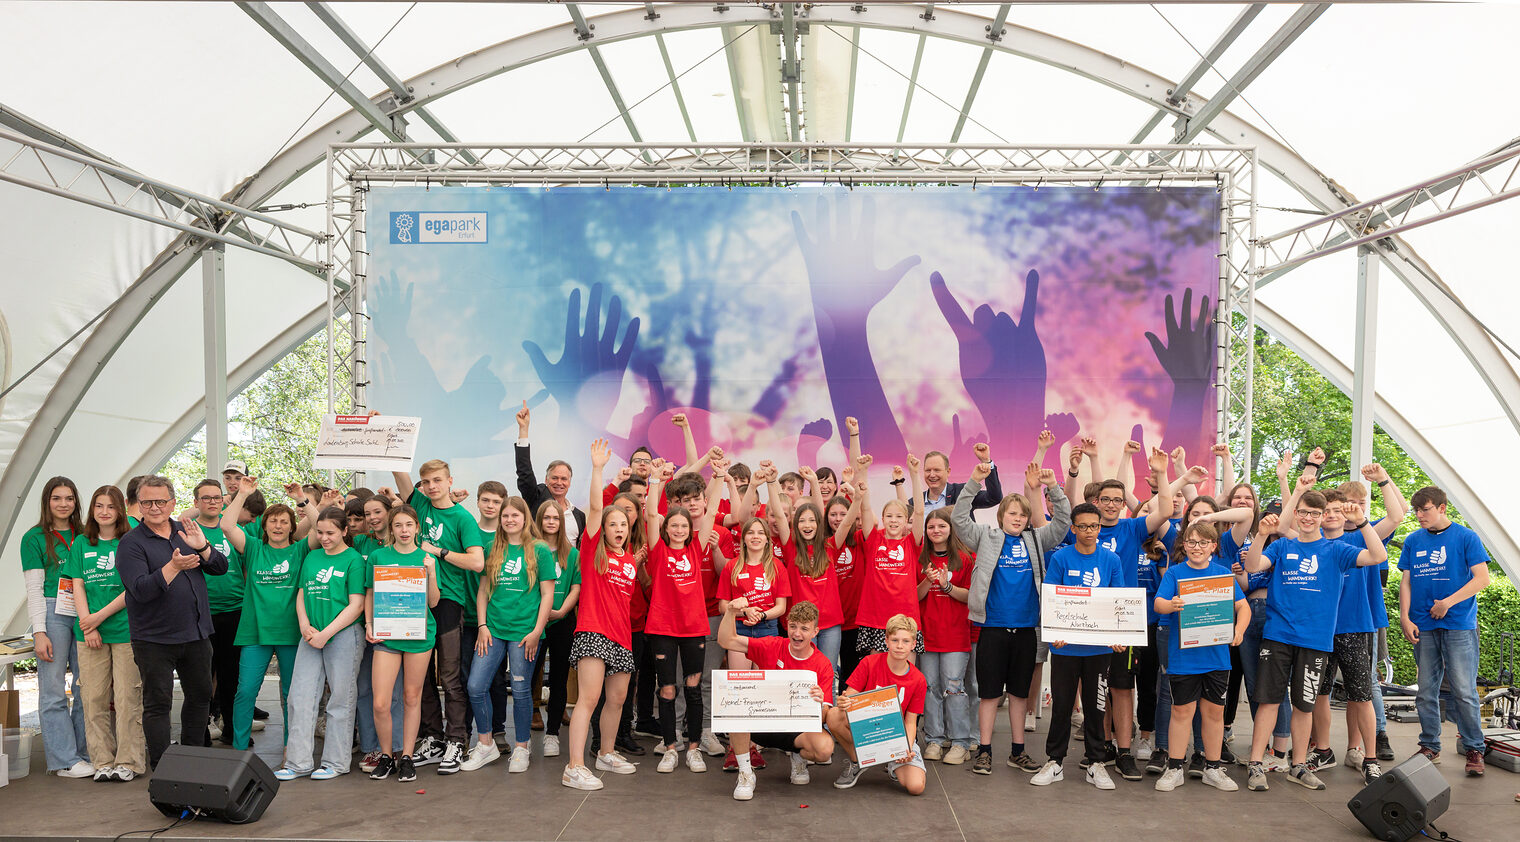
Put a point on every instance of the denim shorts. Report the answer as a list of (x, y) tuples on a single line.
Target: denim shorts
[(764, 628)]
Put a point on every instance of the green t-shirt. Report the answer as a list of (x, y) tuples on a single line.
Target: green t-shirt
[(389, 557), (95, 564), (513, 607), (472, 579), (365, 544), (269, 601), (452, 529), (226, 591), (569, 576), (35, 555), (327, 581)]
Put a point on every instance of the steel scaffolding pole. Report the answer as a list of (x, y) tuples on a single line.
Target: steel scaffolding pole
[(214, 339), (1364, 369)]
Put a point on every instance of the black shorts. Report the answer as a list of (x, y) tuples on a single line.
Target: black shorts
[(1211, 686), (1121, 670), (593, 645), (1281, 666), (1004, 662), (869, 639), (785, 742), (665, 649), (1352, 655)]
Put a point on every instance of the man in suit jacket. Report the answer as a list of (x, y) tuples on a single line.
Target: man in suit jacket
[(556, 482), (938, 493)]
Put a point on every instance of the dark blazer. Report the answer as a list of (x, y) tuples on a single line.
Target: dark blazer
[(177, 612), (534, 492), (988, 497)]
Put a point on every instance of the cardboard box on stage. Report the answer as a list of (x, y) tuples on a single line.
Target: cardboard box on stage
[(10, 708)]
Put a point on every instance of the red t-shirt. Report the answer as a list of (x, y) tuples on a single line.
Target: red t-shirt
[(605, 599), (873, 672), (753, 585), (822, 590), (847, 570), (724, 538), (947, 620), (725, 509), (638, 605), (678, 594), (891, 579), (775, 653)]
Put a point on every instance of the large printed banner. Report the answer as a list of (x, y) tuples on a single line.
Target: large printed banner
[(939, 316)]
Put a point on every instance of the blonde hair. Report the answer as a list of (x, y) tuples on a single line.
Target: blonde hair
[(768, 562), (900, 622), (529, 539), (432, 466), (803, 612), (560, 541), (1009, 500)]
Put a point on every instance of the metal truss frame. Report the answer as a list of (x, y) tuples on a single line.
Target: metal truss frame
[(353, 168)]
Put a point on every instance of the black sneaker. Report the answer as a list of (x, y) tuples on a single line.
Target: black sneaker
[(1195, 765), (1226, 756), (1320, 758), (429, 750), (1384, 749), (626, 745), (383, 768), (1127, 768), (1023, 762), (982, 765), (406, 771), (1110, 754), (453, 755), (260, 713), (650, 729), (1371, 771), (1157, 764)]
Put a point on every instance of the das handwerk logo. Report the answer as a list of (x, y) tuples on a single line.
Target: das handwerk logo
[(414, 227)]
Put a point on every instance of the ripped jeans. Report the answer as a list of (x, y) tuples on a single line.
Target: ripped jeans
[(947, 708)]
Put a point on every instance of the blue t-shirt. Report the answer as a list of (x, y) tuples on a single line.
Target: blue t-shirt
[(1198, 659), (1012, 600), (1372, 580), (1306, 590), (1070, 567), (1124, 539), (1236, 553), (1438, 565)]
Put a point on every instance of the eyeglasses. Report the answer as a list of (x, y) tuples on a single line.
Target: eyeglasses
[(155, 504), (1197, 543), (1310, 513), (1086, 526), (1110, 499), (210, 499), (642, 461), (1425, 510)]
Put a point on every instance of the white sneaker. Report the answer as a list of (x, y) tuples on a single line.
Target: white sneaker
[(580, 777), (1217, 779), (1273, 763), (1143, 749), (480, 754), (551, 745), (668, 761), (1029, 722), (615, 763), (711, 746), (1076, 719), (213, 730), (800, 774), (82, 769), (1097, 775), (1048, 774), (744, 790), (258, 725), (1355, 757), (124, 774), (520, 757), (1171, 779)]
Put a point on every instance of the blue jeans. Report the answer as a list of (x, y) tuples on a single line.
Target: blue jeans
[(764, 628), (946, 705), (62, 727), (1250, 646), (1450, 655), (828, 642), (335, 665), (369, 739), (483, 669), (1164, 696)]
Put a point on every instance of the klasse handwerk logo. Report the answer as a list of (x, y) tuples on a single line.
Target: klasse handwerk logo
[(424, 227)]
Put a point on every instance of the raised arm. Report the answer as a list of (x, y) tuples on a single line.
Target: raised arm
[(1221, 452), (900, 487), (1393, 499), (1284, 465), (1238, 519), (527, 481), (1161, 512), (851, 516), (1126, 474), (652, 518), (1051, 533), (1375, 552), (780, 508), (815, 494), (852, 427), (229, 522), (600, 453), (1189, 487), (1253, 562), (728, 636), (1032, 490), (1074, 473), (1290, 505), (867, 516), (916, 513)]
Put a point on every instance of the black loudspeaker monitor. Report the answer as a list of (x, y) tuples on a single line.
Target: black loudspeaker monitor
[(1401, 803), (232, 786)]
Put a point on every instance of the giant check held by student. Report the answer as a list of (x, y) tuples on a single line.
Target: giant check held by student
[(400, 603), (367, 442), (1099, 616), (765, 702)]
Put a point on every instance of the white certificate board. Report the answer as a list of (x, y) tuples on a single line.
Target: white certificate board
[(367, 442), (765, 702), (1100, 616)]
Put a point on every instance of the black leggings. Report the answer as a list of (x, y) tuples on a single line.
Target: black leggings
[(224, 664), (1146, 670), (1066, 671), (849, 659), (557, 641), (692, 651)]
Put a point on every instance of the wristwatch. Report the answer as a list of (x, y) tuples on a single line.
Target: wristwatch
[(443, 554)]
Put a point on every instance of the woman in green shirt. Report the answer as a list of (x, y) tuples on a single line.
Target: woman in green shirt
[(392, 654), (330, 600), (43, 549), (268, 627), (513, 602), (118, 750)]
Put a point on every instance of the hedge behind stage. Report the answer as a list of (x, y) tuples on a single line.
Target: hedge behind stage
[(1498, 612)]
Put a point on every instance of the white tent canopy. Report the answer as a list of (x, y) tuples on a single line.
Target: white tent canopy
[(203, 97)]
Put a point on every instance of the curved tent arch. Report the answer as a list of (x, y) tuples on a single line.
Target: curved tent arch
[(948, 23)]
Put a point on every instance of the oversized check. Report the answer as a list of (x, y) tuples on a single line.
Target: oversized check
[(367, 442), (1101, 616), (765, 702), (876, 726), (1208, 611), (400, 603)]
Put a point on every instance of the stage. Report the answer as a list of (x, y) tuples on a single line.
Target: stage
[(489, 804)]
